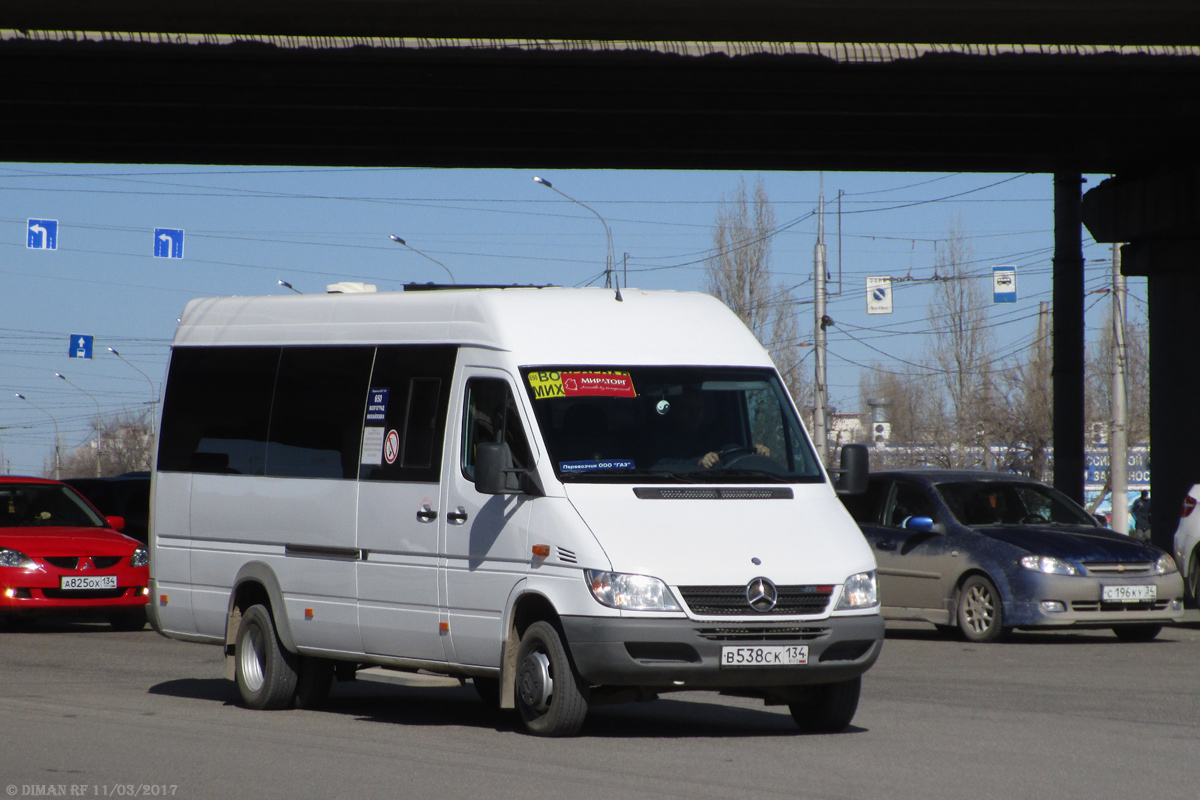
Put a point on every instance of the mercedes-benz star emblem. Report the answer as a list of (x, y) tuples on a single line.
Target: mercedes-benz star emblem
[(762, 595)]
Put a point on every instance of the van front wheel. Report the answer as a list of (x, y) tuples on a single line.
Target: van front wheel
[(266, 672), (827, 707), (549, 695)]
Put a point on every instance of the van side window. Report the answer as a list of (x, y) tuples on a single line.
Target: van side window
[(492, 416), (216, 410), (316, 417), (414, 383)]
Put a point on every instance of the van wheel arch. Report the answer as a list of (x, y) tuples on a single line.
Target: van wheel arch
[(526, 610), (256, 584)]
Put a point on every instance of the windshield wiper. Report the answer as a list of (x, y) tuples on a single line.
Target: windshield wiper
[(774, 477)]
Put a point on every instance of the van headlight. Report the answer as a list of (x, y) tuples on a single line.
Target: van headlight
[(859, 591), (630, 592)]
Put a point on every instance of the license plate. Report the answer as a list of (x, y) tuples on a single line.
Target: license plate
[(84, 582), (1128, 594), (769, 656)]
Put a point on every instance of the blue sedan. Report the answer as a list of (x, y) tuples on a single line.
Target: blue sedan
[(981, 553)]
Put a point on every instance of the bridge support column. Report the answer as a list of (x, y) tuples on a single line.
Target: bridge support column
[(1159, 216), (1068, 336)]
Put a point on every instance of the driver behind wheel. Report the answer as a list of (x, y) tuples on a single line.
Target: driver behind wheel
[(693, 432)]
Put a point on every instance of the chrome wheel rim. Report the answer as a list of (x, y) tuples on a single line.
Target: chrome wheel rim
[(978, 609), (250, 658)]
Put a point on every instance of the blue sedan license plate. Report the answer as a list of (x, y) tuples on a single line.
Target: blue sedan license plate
[(765, 656), (1128, 594)]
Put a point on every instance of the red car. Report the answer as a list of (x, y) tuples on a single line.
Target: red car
[(59, 554)]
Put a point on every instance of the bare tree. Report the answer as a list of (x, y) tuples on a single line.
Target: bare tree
[(1098, 390), (1024, 422), (962, 348), (122, 444), (739, 274)]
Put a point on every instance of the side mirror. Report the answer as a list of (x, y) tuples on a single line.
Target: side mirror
[(923, 524), (116, 523), (856, 466), (493, 466)]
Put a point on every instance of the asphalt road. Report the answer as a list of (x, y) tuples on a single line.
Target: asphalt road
[(95, 713)]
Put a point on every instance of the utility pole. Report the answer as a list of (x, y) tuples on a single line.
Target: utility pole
[(1118, 443), (820, 393)]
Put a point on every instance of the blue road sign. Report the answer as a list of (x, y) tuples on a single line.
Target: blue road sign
[(168, 242), (81, 346), (1004, 284), (42, 234)]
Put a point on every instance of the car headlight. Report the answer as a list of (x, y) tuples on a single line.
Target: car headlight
[(859, 591), (140, 558), (1048, 565), (630, 592), (1165, 565), (15, 558)]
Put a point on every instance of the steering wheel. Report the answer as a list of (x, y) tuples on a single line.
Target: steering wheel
[(731, 455)]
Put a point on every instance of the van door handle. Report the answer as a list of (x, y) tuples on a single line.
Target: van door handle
[(426, 514), (458, 516), (885, 544)]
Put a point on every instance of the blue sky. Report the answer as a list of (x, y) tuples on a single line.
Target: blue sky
[(246, 228)]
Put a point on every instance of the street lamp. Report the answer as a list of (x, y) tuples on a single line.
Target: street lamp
[(608, 256), (99, 438), (57, 461), (285, 285), (398, 240), (153, 391)]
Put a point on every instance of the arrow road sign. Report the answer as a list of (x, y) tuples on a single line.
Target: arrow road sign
[(168, 242), (42, 234), (81, 346)]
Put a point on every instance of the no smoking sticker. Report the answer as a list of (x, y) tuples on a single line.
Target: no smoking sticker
[(391, 447)]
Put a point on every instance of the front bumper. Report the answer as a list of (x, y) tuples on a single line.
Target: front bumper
[(686, 653), (1079, 598)]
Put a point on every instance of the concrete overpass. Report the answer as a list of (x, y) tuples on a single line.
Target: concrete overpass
[(1060, 86)]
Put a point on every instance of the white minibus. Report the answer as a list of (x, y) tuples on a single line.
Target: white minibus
[(567, 496)]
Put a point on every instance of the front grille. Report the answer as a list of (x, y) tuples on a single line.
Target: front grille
[(1119, 567), (1095, 605), (104, 562), (761, 633), (63, 562), (83, 594), (729, 600)]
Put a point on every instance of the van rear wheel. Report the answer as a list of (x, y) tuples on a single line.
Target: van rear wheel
[(827, 707), (550, 696), (266, 672)]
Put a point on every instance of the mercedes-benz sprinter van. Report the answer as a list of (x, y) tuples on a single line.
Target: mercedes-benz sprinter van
[(568, 496)]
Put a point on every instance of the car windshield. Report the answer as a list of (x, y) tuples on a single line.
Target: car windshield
[(604, 424), (44, 504), (978, 503)]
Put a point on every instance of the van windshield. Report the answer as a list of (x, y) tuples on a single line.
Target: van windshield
[(606, 424)]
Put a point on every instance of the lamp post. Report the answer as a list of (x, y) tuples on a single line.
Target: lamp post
[(99, 437), (153, 391), (608, 256), (285, 285), (57, 461), (398, 240)]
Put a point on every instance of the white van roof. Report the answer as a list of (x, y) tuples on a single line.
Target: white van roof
[(540, 325)]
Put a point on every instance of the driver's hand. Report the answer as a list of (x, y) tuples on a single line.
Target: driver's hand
[(762, 450), (709, 460)]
